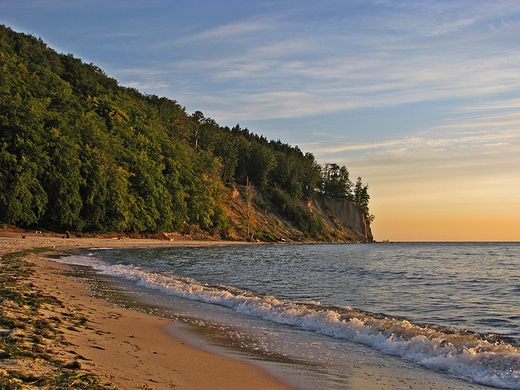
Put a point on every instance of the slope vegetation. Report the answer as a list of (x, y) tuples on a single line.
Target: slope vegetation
[(79, 152)]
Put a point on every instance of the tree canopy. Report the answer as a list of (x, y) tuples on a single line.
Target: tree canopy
[(80, 152)]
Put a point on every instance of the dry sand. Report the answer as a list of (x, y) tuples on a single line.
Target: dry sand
[(133, 350)]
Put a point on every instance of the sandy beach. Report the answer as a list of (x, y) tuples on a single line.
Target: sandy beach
[(125, 349)]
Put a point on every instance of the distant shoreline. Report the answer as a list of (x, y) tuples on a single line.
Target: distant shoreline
[(14, 242)]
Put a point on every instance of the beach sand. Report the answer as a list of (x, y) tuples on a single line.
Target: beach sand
[(130, 349), (133, 350)]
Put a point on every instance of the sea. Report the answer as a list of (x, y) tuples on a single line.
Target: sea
[(312, 314)]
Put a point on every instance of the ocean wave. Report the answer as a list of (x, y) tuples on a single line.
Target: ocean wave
[(484, 359)]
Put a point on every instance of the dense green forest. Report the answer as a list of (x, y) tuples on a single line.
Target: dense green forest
[(79, 152)]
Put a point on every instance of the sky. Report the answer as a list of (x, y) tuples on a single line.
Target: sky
[(419, 98)]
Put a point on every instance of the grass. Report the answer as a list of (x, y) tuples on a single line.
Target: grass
[(28, 334)]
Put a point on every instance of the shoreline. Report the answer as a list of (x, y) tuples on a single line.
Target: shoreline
[(13, 242), (124, 348), (128, 349)]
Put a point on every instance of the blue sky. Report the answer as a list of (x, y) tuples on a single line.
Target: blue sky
[(420, 98)]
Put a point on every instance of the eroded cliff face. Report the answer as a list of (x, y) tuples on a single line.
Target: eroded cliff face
[(261, 221), (350, 216)]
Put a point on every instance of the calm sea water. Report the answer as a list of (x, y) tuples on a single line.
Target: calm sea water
[(452, 308)]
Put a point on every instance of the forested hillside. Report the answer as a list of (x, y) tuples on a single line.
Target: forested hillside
[(79, 152)]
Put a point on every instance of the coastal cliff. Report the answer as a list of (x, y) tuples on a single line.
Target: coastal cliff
[(352, 217), (260, 220), (80, 153)]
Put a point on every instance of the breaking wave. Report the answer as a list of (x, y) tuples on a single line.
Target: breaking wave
[(484, 359)]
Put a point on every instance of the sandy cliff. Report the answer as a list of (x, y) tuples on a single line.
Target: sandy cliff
[(350, 216), (343, 220)]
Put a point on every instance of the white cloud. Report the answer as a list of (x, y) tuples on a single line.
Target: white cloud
[(496, 104)]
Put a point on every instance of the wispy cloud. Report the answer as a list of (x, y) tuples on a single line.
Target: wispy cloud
[(229, 31), (495, 104), (328, 69), (426, 146)]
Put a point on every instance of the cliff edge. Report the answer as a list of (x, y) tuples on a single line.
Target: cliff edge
[(260, 220), (350, 216)]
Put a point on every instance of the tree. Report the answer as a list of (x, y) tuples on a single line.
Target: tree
[(261, 162), (22, 197), (336, 182), (361, 197), (62, 182)]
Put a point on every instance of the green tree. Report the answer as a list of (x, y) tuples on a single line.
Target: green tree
[(78, 151), (22, 197), (120, 203), (361, 196), (62, 182), (336, 182)]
